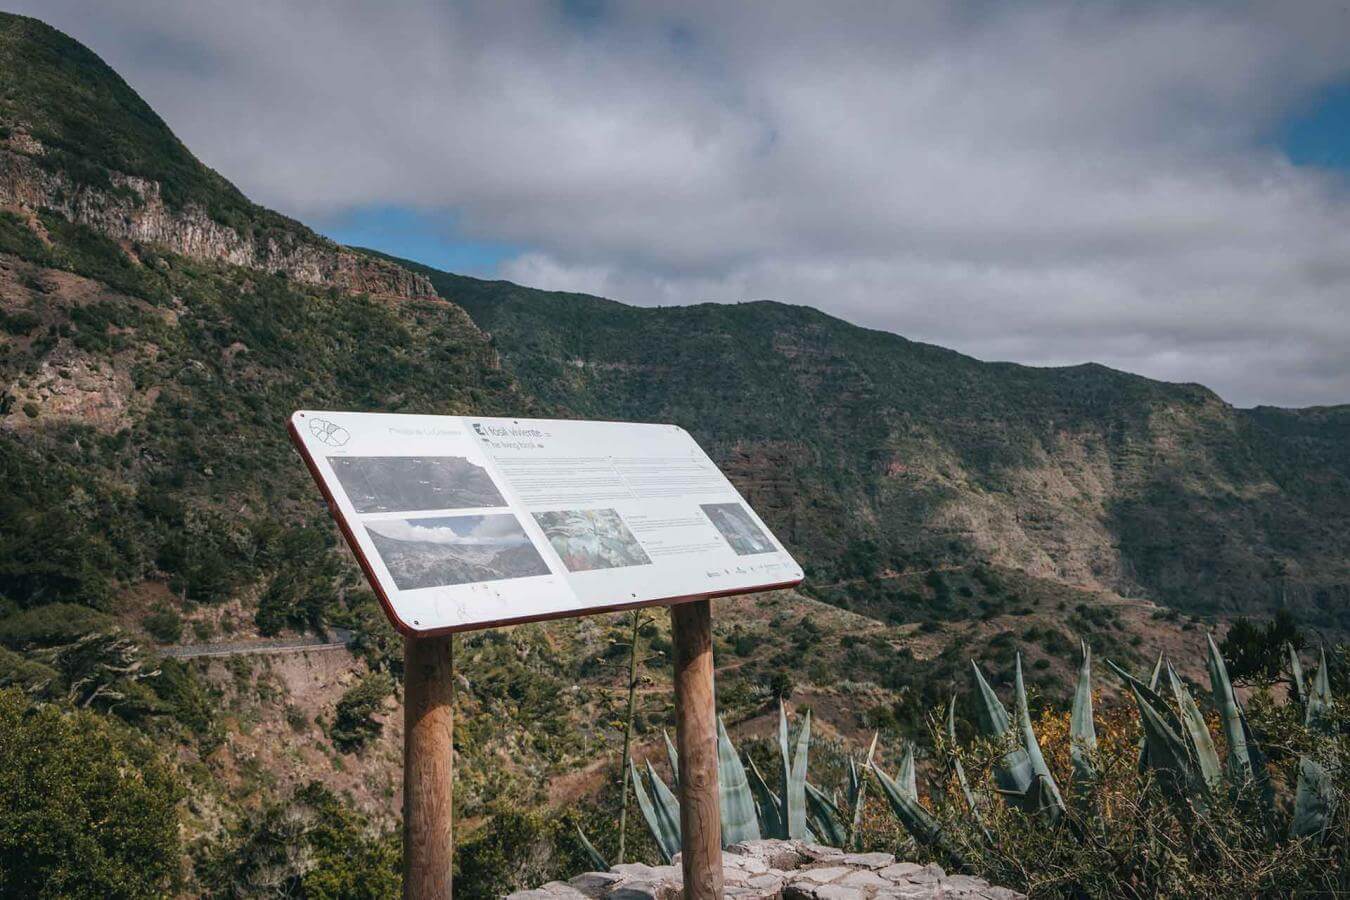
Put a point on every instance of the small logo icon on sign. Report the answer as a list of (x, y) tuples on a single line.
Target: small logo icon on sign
[(330, 434)]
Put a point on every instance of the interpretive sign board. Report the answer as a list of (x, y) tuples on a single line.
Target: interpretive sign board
[(463, 522)]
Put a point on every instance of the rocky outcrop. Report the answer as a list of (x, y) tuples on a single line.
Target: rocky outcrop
[(792, 870), (134, 210)]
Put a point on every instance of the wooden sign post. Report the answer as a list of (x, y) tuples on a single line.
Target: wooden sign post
[(696, 739), (462, 523), (428, 759)]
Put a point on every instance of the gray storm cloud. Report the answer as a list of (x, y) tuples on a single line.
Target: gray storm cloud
[(1048, 183)]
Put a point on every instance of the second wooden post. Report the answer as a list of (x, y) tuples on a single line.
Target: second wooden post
[(428, 720), (696, 736)]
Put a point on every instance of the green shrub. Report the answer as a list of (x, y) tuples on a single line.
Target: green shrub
[(89, 807), (21, 322), (28, 675), (52, 625), (1256, 652), (353, 723), (164, 625), (516, 849), (189, 702), (311, 845)]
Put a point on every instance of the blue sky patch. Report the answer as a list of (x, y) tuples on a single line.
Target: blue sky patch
[(1320, 136), (430, 238)]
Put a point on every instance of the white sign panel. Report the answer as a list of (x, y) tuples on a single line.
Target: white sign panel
[(462, 522)]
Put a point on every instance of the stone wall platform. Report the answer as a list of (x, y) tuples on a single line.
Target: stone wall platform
[(792, 870)]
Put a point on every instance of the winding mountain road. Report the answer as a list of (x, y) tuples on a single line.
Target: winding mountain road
[(339, 639)]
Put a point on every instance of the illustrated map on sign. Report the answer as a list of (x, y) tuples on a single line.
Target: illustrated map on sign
[(463, 522)]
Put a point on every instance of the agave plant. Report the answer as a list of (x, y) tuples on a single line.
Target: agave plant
[(1021, 776), (750, 808), (1176, 746), (857, 789), (1314, 797)]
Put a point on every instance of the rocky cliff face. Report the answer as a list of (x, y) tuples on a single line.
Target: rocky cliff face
[(132, 208)]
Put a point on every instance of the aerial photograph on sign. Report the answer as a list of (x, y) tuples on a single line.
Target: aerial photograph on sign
[(408, 483), (741, 532), (589, 539), (448, 550)]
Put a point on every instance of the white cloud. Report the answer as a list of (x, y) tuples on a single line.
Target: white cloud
[(461, 531), (1049, 182)]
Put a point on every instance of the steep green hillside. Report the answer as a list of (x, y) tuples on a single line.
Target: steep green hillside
[(870, 453), (92, 123)]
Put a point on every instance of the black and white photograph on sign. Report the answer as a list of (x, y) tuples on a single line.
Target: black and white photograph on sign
[(589, 539), (447, 550), (741, 532), (378, 484)]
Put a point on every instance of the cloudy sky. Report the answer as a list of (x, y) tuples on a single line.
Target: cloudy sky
[(1161, 187)]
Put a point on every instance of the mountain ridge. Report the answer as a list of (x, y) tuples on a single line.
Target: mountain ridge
[(1101, 478), (582, 296), (75, 138)]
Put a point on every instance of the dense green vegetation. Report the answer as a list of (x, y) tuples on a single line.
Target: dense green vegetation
[(309, 845), (88, 509), (89, 806)]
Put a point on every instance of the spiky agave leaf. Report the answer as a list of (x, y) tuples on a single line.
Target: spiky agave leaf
[(1156, 675), (1260, 771), (960, 771), (824, 816), (1296, 675), (600, 863), (1314, 800), (1048, 797), (1013, 773), (767, 804), (673, 756), (1162, 747), (1149, 693), (918, 821), (1193, 723), (857, 790), (666, 834), (1082, 731), (907, 778), (1152, 686), (739, 821), (794, 799), (667, 807), (1239, 761), (1319, 694), (1167, 753), (1315, 795), (993, 716)]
